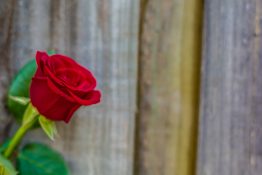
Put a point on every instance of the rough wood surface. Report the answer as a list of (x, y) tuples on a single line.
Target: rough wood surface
[(170, 45), (102, 35), (6, 14), (231, 107)]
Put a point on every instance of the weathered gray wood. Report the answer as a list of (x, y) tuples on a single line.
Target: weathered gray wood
[(101, 35), (6, 16), (231, 104)]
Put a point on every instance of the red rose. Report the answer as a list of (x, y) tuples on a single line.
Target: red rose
[(60, 86)]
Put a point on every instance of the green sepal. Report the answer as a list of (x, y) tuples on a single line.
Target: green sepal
[(48, 126), (30, 114), (51, 52), (39, 159), (6, 167)]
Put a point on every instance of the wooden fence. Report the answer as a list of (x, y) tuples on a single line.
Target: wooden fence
[(170, 106)]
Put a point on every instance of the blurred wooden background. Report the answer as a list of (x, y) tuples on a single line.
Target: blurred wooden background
[(181, 82)]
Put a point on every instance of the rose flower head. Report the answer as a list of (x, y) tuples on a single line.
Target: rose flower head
[(60, 86)]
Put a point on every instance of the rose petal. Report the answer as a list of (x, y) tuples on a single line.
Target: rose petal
[(58, 61), (41, 60), (76, 80), (89, 98), (71, 112), (50, 104), (60, 89), (61, 61)]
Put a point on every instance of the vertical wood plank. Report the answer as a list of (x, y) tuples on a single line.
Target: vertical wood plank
[(170, 45), (101, 35), (106, 41), (231, 97), (6, 16)]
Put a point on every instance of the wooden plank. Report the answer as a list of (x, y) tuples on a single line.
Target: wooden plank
[(231, 97), (101, 35), (170, 45), (6, 14)]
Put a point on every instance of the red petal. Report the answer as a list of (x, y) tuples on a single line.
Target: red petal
[(41, 60), (50, 104), (89, 98)]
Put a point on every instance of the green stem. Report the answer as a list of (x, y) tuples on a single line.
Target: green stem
[(17, 137)]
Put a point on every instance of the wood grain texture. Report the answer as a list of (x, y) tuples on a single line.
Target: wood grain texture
[(6, 13), (170, 45), (231, 103), (101, 35)]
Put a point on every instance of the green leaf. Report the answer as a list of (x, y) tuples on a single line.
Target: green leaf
[(48, 126), (39, 159), (4, 146), (6, 167), (29, 114), (19, 88), (20, 100)]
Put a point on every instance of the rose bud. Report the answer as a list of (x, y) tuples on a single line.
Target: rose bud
[(60, 86)]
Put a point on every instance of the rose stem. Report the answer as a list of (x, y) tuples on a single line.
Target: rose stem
[(17, 137)]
